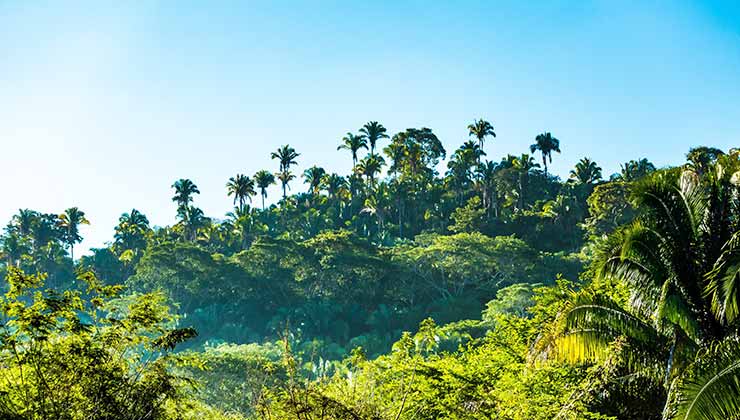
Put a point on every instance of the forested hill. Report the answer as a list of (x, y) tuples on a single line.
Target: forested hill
[(492, 290)]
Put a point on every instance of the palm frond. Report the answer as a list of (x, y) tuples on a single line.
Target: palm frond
[(591, 323), (723, 282), (710, 387)]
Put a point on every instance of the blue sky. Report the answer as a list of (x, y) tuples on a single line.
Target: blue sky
[(104, 104)]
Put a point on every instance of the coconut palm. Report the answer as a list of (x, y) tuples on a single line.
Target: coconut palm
[(313, 177), (242, 188), (70, 222), (373, 131), (546, 144), (586, 171), (263, 180), (481, 129), (184, 191), (680, 260), (353, 143)]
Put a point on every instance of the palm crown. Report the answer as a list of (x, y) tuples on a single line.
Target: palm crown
[(373, 131), (286, 155), (481, 129), (586, 171), (70, 222), (546, 144), (264, 179), (242, 188), (353, 143), (184, 191), (680, 260), (313, 177)]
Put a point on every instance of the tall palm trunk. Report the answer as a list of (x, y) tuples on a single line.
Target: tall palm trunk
[(544, 163)]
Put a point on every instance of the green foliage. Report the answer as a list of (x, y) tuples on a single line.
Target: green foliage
[(306, 306), (470, 218), (235, 378), (677, 260), (66, 356)]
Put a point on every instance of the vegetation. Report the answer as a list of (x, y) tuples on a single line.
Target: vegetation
[(491, 289)]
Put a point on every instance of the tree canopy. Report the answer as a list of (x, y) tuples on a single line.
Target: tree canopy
[(412, 286)]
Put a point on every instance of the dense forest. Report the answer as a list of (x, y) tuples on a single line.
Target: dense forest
[(423, 285)]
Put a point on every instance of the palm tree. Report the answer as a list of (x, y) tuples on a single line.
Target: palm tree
[(24, 220), (313, 176), (241, 223), (286, 155), (70, 222), (546, 144), (13, 248), (679, 259), (470, 152), (373, 131), (193, 219), (461, 167), (586, 171), (45, 229), (264, 179), (523, 164), (184, 190), (285, 177), (636, 169), (333, 183), (701, 158), (353, 143), (370, 166), (377, 203), (481, 129), (242, 188), (130, 233), (487, 185), (135, 219)]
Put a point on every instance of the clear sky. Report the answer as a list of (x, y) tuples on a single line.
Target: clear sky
[(103, 104)]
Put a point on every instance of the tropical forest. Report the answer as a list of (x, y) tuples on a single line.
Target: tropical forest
[(386, 210), (490, 289)]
